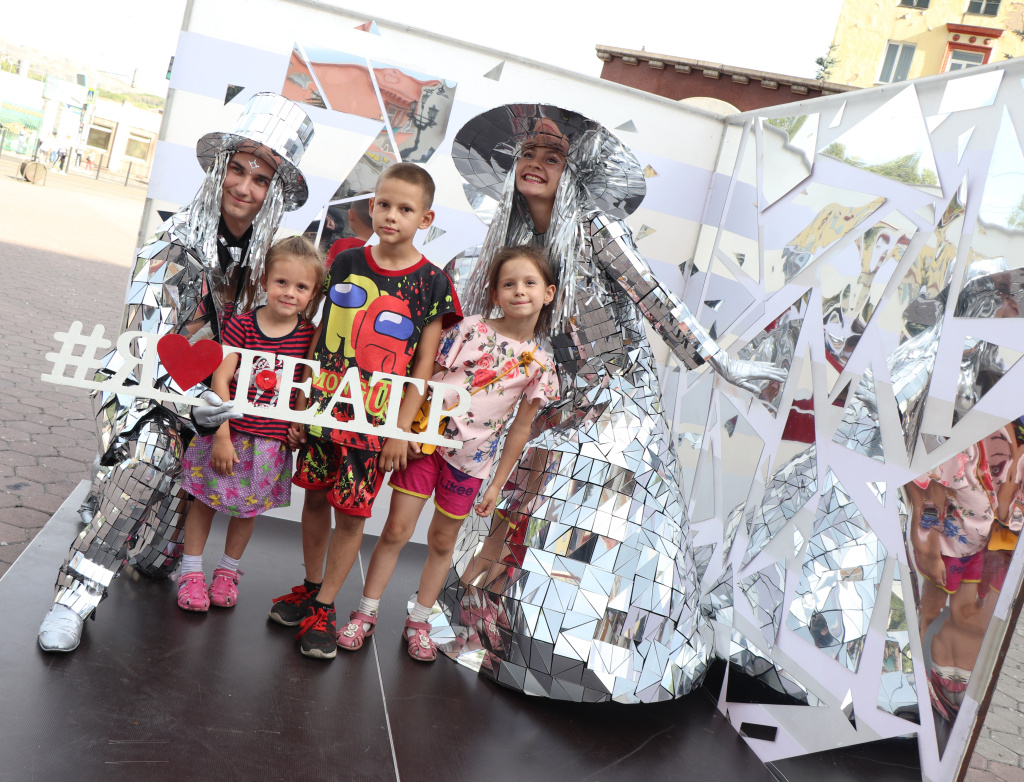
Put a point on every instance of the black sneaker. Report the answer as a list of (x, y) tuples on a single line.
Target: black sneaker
[(319, 632), (289, 610)]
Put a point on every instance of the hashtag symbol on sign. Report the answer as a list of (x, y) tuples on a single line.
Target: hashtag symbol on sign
[(84, 363)]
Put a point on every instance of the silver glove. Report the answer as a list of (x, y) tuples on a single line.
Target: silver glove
[(743, 374), (215, 412)]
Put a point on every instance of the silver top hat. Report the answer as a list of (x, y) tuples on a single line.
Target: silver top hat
[(487, 146), (278, 131)]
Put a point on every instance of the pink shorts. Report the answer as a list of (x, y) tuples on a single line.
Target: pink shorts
[(453, 490), (962, 570)]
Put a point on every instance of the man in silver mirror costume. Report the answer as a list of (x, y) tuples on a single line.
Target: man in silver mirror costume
[(584, 586), (202, 265)]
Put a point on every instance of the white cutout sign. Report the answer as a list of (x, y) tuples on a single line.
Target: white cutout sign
[(348, 391)]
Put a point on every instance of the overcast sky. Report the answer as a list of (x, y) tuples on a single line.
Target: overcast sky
[(769, 35)]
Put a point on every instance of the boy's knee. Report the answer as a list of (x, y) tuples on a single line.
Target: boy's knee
[(315, 500)]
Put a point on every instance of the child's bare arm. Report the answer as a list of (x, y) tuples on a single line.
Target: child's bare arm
[(223, 457), (515, 441), (395, 453), (300, 399)]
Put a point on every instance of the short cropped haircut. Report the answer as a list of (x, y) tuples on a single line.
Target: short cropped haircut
[(413, 175), (299, 248), (362, 208)]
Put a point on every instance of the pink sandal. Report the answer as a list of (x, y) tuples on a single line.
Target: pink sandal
[(421, 645), (192, 595), (352, 635), (224, 589)]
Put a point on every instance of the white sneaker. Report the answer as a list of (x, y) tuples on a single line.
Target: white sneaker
[(61, 630)]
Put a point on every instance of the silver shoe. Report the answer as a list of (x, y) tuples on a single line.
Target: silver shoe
[(61, 630)]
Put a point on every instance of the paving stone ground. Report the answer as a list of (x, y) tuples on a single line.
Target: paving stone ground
[(65, 249)]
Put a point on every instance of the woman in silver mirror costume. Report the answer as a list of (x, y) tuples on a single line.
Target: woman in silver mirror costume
[(583, 587), (200, 267)]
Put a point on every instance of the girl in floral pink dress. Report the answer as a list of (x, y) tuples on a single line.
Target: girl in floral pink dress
[(499, 361)]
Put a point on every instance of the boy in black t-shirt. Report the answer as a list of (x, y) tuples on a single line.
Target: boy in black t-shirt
[(386, 307)]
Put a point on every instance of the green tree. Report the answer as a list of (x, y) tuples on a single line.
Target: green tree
[(826, 63), (791, 125)]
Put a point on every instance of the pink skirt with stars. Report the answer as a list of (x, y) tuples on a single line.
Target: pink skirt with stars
[(262, 478)]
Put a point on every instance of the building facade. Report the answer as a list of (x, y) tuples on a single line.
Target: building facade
[(723, 89), (886, 41)]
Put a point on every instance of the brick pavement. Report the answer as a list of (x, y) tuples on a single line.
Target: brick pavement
[(64, 253), (65, 249)]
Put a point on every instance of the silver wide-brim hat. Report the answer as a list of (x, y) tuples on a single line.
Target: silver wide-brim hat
[(278, 131), (487, 146)]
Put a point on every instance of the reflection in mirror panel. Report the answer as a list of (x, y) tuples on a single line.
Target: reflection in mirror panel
[(995, 271), (776, 345), (897, 691), (813, 221), (717, 601), (878, 489), (962, 522), (852, 284), (704, 488), (798, 432), (971, 92), (764, 591), (737, 239), (345, 80), (689, 421), (418, 107), (482, 204), (741, 452), (860, 430), (891, 141), (724, 300), (299, 82), (775, 685), (961, 144), (363, 177), (349, 219), (839, 581), (911, 364), (788, 154), (838, 118), (701, 560), (982, 366), (789, 489)]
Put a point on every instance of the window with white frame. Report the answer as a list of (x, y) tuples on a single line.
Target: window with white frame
[(983, 7), (896, 65), (964, 58), (914, 3), (137, 146)]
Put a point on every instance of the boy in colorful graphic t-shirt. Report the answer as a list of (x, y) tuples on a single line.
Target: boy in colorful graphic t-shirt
[(385, 309)]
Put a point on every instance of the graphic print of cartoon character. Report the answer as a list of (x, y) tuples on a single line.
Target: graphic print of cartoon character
[(380, 326)]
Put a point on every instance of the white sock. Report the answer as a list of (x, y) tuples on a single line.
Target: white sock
[(191, 564), (368, 605), (227, 563), (419, 613)]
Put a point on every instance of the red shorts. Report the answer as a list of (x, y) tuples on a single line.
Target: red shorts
[(962, 570), (350, 475), (454, 491)]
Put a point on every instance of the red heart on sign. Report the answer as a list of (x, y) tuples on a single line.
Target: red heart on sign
[(188, 364)]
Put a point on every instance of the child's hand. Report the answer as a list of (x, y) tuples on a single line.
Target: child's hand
[(488, 500), (932, 566), (394, 455), (296, 436), (223, 458)]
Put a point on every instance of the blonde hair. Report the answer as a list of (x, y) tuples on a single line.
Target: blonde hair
[(299, 248)]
